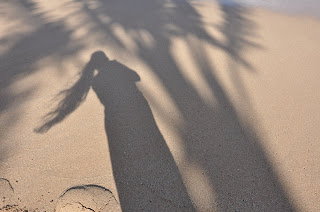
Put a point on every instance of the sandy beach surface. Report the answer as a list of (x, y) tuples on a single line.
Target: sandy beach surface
[(113, 105)]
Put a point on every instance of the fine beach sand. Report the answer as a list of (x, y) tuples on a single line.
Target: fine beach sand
[(199, 107)]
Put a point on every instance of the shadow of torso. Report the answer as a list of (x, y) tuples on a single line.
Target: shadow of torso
[(145, 172)]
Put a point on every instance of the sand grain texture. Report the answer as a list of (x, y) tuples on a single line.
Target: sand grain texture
[(200, 106)]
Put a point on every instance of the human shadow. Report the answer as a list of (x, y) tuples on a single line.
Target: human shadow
[(217, 138), (145, 173)]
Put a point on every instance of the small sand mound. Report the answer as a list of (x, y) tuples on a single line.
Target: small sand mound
[(6, 193), (87, 198)]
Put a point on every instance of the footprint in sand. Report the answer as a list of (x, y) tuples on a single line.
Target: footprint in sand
[(87, 198)]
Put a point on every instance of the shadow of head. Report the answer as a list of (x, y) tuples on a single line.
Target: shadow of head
[(98, 58)]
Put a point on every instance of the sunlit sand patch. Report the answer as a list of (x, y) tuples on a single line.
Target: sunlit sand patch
[(182, 53)]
